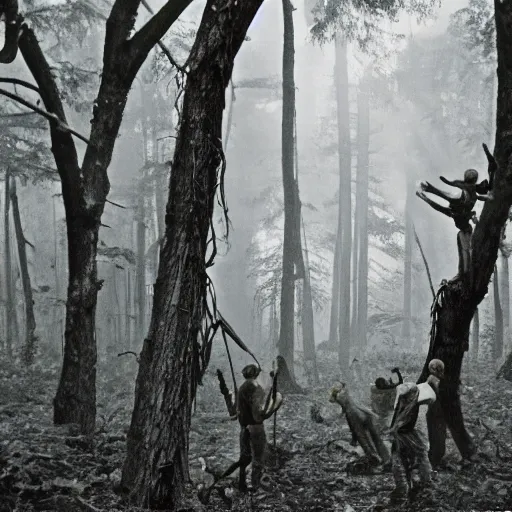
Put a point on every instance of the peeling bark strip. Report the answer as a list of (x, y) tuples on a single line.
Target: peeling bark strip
[(156, 466), (463, 296), (85, 188)]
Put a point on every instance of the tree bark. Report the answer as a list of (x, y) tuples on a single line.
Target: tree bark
[(290, 246), (498, 318), (345, 199), (462, 297), (363, 136), (156, 467), (30, 319), (9, 292)]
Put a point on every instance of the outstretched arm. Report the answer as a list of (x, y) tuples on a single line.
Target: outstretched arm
[(455, 183)]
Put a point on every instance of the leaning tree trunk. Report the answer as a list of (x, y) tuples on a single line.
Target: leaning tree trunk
[(462, 297), (30, 319), (363, 136), (156, 467), (498, 318), (345, 199), (9, 292), (290, 246)]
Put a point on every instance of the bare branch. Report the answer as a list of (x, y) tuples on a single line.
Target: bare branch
[(162, 46), (151, 33), (51, 117), (17, 81), (115, 204)]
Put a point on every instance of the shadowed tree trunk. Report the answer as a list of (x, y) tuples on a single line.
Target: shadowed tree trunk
[(291, 242), (498, 318), (29, 347), (363, 141), (9, 292), (462, 297), (156, 467), (345, 199)]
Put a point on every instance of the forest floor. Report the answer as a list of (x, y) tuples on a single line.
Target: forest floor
[(48, 468)]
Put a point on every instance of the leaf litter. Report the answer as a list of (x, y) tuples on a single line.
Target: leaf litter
[(52, 468)]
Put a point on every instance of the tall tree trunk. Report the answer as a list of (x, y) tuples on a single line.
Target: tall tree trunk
[(345, 199), (407, 297), (363, 141), (156, 467), (475, 337), (335, 294), (9, 292), (498, 318), (290, 257), (462, 297), (30, 319)]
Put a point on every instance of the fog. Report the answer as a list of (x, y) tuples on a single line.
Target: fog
[(411, 138)]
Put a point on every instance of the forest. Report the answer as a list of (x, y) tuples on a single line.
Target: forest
[(254, 255)]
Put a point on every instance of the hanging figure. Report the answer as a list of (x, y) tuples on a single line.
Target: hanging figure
[(460, 208), (408, 448)]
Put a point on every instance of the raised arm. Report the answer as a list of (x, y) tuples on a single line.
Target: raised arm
[(455, 183)]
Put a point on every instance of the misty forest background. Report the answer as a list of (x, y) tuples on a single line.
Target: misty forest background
[(390, 101)]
